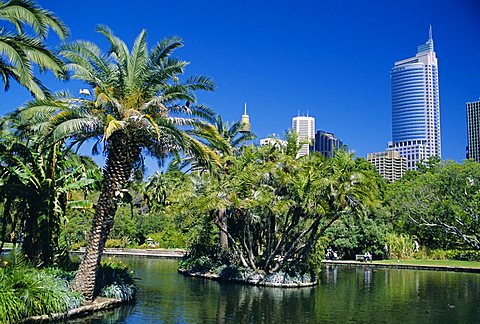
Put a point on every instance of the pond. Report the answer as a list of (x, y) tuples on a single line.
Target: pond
[(345, 295)]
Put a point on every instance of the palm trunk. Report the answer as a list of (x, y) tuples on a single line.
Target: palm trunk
[(119, 165), (222, 223)]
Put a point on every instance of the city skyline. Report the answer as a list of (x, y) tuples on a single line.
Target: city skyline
[(332, 60)]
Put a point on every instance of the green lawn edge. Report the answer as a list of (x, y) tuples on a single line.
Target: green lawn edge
[(440, 263)]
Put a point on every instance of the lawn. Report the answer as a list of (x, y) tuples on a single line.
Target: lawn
[(446, 263)]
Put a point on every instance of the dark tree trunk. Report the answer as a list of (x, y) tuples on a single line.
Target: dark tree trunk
[(222, 223), (119, 165), (6, 213)]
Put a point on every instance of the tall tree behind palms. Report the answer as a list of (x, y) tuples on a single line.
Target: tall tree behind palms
[(138, 104), (20, 51)]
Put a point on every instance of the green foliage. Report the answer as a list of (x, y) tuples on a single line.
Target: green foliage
[(115, 280), (26, 291), (465, 255), (349, 236), (126, 225), (400, 246), (439, 204), (169, 237), (21, 51), (276, 207)]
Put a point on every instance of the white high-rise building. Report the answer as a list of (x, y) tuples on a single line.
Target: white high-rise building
[(389, 164), (416, 106), (305, 129)]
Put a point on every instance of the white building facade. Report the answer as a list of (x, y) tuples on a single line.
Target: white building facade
[(305, 129), (416, 106), (389, 164)]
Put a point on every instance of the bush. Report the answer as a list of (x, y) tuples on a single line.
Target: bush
[(400, 246), (26, 291), (114, 280), (198, 264), (465, 255), (117, 243), (169, 238)]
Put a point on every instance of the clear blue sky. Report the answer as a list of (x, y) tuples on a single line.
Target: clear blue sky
[(332, 58)]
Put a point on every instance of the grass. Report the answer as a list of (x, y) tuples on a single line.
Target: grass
[(445, 263)]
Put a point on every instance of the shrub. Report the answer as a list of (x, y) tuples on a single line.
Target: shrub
[(200, 264), (465, 255), (169, 238), (400, 246), (26, 291), (114, 243), (114, 280)]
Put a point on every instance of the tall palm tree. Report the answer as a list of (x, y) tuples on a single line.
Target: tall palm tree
[(20, 51), (138, 104)]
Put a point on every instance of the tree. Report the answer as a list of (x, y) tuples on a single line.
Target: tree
[(138, 103), (19, 51), (439, 204)]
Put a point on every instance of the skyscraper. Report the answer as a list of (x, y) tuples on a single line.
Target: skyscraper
[(473, 123), (326, 143), (305, 129), (416, 106)]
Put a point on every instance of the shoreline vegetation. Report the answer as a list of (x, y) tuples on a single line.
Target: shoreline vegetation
[(265, 211), (31, 294)]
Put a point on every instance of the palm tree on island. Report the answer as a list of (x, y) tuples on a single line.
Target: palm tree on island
[(138, 105)]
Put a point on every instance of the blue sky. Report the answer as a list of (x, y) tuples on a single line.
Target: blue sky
[(332, 58)]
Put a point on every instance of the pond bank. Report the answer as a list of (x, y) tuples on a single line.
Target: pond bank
[(97, 305), (151, 253), (404, 266)]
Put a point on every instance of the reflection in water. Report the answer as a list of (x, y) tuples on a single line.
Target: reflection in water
[(331, 273), (345, 294)]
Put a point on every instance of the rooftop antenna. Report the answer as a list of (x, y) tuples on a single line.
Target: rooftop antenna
[(307, 112), (430, 33)]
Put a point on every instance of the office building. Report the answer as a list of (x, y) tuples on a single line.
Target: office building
[(274, 141), (305, 129), (416, 106), (473, 129), (326, 143), (389, 164)]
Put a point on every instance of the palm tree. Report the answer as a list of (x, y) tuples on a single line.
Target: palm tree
[(19, 51), (138, 104)]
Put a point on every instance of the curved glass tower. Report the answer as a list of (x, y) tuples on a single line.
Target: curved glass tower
[(416, 106)]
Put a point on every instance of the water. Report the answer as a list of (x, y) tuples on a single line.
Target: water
[(345, 295)]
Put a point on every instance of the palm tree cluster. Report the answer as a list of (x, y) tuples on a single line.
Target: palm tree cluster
[(273, 208)]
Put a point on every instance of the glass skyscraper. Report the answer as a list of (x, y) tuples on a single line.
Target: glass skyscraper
[(473, 123), (416, 106)]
